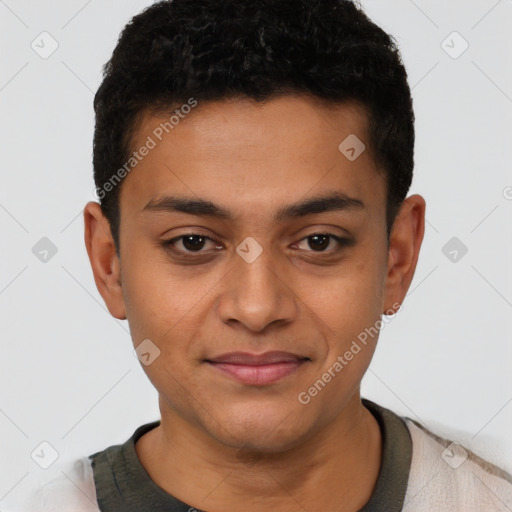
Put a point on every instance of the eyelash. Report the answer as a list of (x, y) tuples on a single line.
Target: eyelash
[(169, 244)]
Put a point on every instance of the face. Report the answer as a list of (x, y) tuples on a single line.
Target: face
[(247, 230)]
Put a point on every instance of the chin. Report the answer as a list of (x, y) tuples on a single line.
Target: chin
[(262, 433)]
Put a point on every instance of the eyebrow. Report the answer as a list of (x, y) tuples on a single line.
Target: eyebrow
[(335, 201)]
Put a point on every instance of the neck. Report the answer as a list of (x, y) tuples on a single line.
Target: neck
[(335, 469)]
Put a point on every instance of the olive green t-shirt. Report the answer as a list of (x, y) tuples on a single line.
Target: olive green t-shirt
[(123, 485)]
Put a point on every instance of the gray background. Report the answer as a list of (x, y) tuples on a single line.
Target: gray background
[(68, 375)]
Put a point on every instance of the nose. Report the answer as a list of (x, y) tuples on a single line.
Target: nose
[(257, 294)]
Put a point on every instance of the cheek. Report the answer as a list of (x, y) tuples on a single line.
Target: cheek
[(350, 304), (146, 292), (155, 298), (351, 308), (351, 298)]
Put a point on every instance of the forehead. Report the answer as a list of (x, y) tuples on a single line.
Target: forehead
[(254, 155)]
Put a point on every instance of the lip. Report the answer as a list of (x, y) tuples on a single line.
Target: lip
[(257, 369)]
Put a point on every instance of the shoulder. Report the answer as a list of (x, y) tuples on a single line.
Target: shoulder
[(68, 487), (445, 475)]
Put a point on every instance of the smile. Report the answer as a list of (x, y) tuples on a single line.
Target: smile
[(257, 369)]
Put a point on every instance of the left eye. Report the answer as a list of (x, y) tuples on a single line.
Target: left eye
[(319, 242)]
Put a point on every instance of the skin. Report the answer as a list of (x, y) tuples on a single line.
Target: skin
[(257, 448)]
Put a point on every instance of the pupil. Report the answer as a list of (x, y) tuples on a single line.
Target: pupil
[(193, 242), (322, 241)]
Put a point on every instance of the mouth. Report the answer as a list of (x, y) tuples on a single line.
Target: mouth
[(257, 369)]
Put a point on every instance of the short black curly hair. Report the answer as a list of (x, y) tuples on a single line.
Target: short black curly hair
[(176, 50)]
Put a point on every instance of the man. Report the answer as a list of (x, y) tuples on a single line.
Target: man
[(252, 160)]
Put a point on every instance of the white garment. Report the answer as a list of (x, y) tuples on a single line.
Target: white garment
[(71, 490), (435, 484)]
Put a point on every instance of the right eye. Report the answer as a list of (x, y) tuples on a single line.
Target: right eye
[(190, 243)]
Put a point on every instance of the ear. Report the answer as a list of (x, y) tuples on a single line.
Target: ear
[(104, 260), (403, 251)]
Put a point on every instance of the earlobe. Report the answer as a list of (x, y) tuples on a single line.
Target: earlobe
[(104, 261), (404, 247)]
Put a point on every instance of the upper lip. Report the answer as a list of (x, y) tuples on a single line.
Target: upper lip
[(256, 359)]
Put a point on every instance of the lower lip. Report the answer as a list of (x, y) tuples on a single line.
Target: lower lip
[(258, 375)]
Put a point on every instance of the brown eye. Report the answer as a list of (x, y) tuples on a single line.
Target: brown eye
[(190, 243), (193, 242), (320, 242)]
